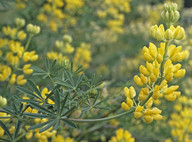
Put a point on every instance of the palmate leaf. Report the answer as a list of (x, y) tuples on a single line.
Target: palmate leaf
[(17, 128), (57, 101), (4, 127), (27, 92), (36, 126), (69, 123), (49, 125), (33, 87), (40, 108), (37, 115)]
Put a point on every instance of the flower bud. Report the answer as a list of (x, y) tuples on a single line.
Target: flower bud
[(3, 101), (170, 13), (168, 34), (19, 22), (33, 29), (67, 38), (65, 63)]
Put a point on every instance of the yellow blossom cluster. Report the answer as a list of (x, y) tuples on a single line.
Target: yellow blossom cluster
[(181, 120), (115, 10), (81, 56), (60, 138), (122, 136), (52, 13), (14, 56), (20, 4), (161, 67)]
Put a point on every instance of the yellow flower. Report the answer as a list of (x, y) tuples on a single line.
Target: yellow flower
[(26, 69), (21, 80), (130, 92), (21, 35)]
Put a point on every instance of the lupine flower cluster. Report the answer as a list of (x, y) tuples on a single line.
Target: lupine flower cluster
[(162, 66)]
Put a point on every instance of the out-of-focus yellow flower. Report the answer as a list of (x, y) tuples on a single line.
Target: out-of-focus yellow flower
[(21, 80), (26, 69)]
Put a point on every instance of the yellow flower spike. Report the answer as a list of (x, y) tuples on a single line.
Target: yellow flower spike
[(148, 57), (21, 80), (143, 78), (143, 70), (139, 108), (168, 34), (148, 118), (169, 77), (171, 50), (149, 67), (126, 91), (12, 79), (26, 69), (152, 77), (176, 68), (159, 58), (149, 103), (179, 33), (155, 110), (161, 50), (152, 50), (1, 132), (163, 84), (138, 115), (129, 102), (171, 89), (143, 94), (177, 93), (138, 80), (21, 35), (180, 73), (157, 117), (184, 55), (145, 49), (161, 28), (156, 92), (132, 92), (124, 106), (170, 97)]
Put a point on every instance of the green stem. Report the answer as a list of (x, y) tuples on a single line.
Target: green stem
[(28, 42), (18, 138), (102, 119)]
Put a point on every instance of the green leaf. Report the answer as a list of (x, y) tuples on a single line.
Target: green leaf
[(27, 92), (36, 126), (14, 107), (40, 108), (57, 101), (96, 98), (57, 125), (37, 69), (17, 128), (64, 102), (53, 64), (3, 140), (79, 69), (5, 129), (37, 115), (101, 101), (79, 80), (9, 111), (32, 85), (49, 125), (63, 83), (69, 76), (47, 64), (69, 123), (70, 110)]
